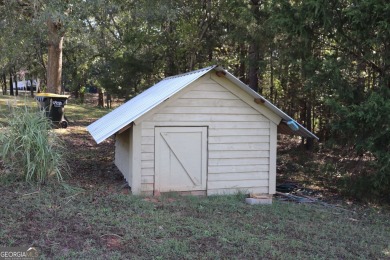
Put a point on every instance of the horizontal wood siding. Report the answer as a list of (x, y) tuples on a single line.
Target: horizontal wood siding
[(262, 190), (228, 184), (237, 176), (215, 169), (147, 160), (239, 162), (240, 147), (233, 132), (238, 137)]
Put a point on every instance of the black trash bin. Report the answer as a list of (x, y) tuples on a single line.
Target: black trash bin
[(43, 103), (54, 107)]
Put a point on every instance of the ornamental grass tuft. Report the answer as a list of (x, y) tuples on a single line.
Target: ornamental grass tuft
[(30, 149)]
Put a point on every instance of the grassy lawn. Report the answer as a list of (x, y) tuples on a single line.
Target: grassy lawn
[(106, 224), (91, 216)]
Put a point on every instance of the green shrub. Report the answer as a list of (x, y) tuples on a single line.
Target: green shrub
[(364, 128), (29, 148)]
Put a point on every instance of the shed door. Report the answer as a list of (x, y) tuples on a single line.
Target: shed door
[(180, 158)]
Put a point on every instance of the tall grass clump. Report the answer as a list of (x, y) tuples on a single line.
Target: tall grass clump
[(29, 147)]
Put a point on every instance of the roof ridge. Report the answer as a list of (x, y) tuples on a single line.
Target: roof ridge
[(190, 72), (163, 90)]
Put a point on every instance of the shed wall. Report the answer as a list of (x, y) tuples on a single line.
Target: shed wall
[(124, 154), (239, 156)]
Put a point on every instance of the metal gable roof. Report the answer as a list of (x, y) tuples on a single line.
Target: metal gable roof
[(155, 95), (142, 103)]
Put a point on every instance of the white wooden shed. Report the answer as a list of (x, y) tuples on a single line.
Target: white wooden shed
[(202, 132)]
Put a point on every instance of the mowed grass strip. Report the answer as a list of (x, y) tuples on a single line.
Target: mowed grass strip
[(68, 223)]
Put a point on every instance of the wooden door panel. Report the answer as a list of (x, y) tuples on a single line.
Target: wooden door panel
[(181, 158)]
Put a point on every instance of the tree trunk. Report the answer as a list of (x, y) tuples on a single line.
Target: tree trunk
[(101, 98), (31, 88), (254, 51), (361, 82), (309, 141), (54, 61), (242, 67), (309, 97), (11, 87), (16, 85), (253, 67), (5, 84), (108, 101), (170, 69), (82, 96), (272, 86)]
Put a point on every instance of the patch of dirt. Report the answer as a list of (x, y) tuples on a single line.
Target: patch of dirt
[(112, 241), (159, 199), (91, 165), (311, 173)]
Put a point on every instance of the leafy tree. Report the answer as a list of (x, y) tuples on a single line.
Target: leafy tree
[(360, 101), (323, 62)]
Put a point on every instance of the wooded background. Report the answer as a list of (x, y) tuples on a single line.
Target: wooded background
[(326, 63)]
